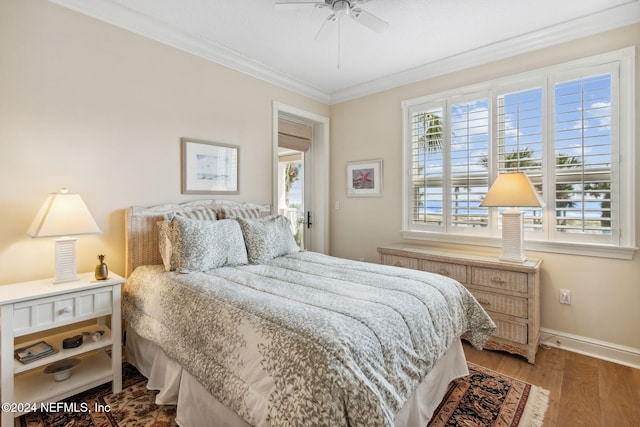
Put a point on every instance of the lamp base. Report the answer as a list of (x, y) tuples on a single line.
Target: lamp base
[(66, 260), (512, 236)]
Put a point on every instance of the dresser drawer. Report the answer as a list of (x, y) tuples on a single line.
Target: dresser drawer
[(400, 261), (513, 306), (500, 279), (512, 331), (455, 271), (45, 313)]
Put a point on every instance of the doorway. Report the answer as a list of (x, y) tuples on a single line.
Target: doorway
[(291, 193), (301, 181)]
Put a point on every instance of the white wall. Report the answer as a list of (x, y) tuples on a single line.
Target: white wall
[(101, 110), (605, 292)]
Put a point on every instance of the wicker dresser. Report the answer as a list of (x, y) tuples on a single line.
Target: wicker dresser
[(509, 292)]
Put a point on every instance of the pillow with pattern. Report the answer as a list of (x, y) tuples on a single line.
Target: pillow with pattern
[(206, 214), (165, 233), (165, 237), (267, 238), (204, 245), (243, 212)]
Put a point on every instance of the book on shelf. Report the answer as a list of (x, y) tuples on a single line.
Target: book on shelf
[(34, 351)]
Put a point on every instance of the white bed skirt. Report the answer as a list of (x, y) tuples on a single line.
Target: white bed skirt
[(196, 407)]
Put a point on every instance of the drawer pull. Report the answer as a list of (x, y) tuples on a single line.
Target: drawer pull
[(64, 310), (498, 279), (484, 302), (445, 272)]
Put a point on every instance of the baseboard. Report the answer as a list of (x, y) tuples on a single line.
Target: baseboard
[(611, 352)]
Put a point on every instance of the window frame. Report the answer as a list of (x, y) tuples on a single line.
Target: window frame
[(622, 244)]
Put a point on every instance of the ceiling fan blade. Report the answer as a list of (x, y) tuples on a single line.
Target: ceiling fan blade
[(327, 27), (369, 20), (298, 4)]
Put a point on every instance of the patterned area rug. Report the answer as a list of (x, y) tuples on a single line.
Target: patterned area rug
[(484, 398), (488, 398), (133, 406)]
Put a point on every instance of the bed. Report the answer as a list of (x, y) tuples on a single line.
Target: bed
[(276, 336)]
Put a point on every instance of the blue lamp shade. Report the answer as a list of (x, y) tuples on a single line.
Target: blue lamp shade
[(64, 215)]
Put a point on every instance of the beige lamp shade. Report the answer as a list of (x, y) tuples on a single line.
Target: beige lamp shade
[(63, 214), (512, 189)]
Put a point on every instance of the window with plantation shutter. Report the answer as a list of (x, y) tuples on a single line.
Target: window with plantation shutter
[(519, 138), (427, 166), (469, 147), (583, 155), (570, 128)]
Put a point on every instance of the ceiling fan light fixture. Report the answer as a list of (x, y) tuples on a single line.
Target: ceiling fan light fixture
[(341, 8)]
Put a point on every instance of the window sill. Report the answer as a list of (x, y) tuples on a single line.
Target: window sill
[(582, 249)]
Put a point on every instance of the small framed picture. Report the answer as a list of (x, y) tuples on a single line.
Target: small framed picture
[(364, 178), (209, 167)]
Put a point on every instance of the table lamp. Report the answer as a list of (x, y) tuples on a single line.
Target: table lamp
[(64, 215), (513, 190)]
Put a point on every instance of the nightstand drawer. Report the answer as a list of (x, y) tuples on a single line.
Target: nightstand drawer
[(501, 279), (455, 271), (513, 306), (400, 261), (45, 313)]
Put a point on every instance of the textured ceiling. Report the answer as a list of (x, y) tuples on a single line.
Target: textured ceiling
[(425, 37)]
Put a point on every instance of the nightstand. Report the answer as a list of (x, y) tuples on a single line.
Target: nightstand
[(509, 292), (37, 306)]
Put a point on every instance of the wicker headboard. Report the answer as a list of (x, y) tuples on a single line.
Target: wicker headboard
[(141, 240)]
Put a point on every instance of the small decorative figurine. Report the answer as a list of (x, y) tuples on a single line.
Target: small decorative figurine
[(102, 272)]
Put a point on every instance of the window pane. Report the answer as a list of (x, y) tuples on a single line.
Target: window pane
[(520, 142), (583, 153), (469, 150), (427, 167)]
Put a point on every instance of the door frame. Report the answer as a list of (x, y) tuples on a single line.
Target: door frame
[(319, 177)]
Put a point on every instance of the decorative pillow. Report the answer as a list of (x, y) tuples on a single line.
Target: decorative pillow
[(165, 239), (206, 213), (165, 233), (204, 245), (230, 213), (267, 238)]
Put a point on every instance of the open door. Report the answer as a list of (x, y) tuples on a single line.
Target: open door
[(294, 142), (301, 179)]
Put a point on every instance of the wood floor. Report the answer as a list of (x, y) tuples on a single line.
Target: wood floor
[(583, 391)]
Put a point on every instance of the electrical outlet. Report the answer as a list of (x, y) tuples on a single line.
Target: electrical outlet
[(565, 296)]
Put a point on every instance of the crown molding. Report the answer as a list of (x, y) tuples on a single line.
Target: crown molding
[(130, 20), (616, 17)]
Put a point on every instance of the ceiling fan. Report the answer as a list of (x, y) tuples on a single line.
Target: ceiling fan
[(340, 9)]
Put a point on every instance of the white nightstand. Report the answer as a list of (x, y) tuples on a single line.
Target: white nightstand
[(30, 307)]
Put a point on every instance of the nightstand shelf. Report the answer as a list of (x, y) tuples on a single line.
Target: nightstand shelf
[(38, 306), (36, 386), (64, 353)]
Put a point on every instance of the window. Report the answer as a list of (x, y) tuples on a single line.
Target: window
[(568, 127)]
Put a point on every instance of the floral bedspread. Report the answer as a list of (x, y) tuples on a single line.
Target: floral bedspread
[(305, 339)]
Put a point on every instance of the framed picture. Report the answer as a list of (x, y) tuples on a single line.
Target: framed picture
[(364, 178), (209, 167)]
